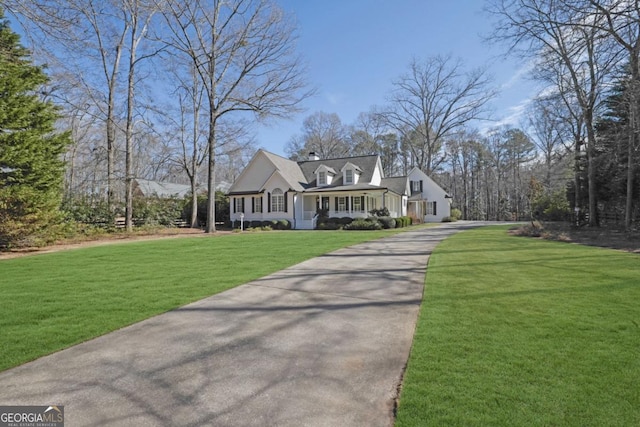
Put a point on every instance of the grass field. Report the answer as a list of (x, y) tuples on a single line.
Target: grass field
[(522, 332), (52, 301)]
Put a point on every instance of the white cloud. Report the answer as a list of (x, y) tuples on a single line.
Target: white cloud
[(513, 117), (518, 76), (334, 98)]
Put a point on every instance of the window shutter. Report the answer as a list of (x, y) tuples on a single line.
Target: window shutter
[(336, 204), (421, 186), (243, 205), (286, 201), (361, 203), (434, 208), (268, 202), (234, 205), (346, 203), (253, 205)]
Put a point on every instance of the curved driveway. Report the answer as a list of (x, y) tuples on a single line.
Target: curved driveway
[(323, 343)]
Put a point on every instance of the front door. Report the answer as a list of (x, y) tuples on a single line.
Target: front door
[(324, 203)]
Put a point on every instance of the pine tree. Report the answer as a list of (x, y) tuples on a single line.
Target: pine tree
[(31, 169)]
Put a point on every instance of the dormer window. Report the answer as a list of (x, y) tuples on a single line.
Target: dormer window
[(350, 173), (322, 178), (348, 176), (324, 175)]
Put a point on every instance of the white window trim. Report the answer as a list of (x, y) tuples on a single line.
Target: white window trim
[(322, 178), (277, 200), (258, 205), (430, 206), (342, 207), (239, 204), (357, 206), (346, 176)]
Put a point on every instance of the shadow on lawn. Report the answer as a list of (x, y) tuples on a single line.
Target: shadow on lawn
[(319, 342)]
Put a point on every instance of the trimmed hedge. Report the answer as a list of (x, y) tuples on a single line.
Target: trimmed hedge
[(273, 224), (328, 226), (364, 224), (403, 221), (333, 223), (387, 222)]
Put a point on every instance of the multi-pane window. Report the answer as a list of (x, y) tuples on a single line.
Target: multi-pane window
[(431, 208), (342, 204), (348, 176), (238, 204), (415, 186), (322, 178), (257, 204), (357, 204), (277, 200)]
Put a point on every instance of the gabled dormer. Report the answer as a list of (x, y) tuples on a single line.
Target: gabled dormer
[(324, 175), (350, 173)]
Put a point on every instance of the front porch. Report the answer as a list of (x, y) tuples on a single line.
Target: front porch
[(352, 205)]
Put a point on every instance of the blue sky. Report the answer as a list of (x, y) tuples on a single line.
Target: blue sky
[(355, 49)]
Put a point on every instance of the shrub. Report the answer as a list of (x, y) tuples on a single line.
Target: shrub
[(447, 219), (455, 214), (364, 224), (387, 222), (222, 209), (379, 212), (345, 220), (333, 223), (157, 211), (88, 211), (284, 224), (403, 221), (328, 226)]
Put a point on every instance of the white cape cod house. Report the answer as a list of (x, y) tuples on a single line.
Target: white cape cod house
[(274, 188)]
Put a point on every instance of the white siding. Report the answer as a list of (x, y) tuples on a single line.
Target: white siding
[(432, 192)]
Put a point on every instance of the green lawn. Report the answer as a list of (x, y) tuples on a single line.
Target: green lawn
[(52, 301), (522, 332)]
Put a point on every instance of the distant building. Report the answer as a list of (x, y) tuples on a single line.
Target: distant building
[(165, 190)]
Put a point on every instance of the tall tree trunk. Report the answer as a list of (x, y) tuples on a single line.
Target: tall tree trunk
[(129, 139), (194, 201), (211, 182), (111, 144), (591, 169), (628, 212)]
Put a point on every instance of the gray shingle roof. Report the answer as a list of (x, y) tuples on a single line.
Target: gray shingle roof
[(162, 189), (397, 184), (366, 163), (289, 170)]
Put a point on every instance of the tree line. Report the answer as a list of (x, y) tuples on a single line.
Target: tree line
[(169, 90)]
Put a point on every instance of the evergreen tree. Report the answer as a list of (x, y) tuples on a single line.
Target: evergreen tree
[(612, 154), (31, 169)]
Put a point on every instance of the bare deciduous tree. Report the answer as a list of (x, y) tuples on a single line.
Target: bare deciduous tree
[(323, 134), (432, 100), (570, 49), (243, 52), (622, 22), (82, 36)]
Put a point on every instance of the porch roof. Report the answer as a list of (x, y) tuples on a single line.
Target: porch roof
[(352, 188)]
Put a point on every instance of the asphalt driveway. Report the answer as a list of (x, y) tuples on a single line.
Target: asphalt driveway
[(323, 343)]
